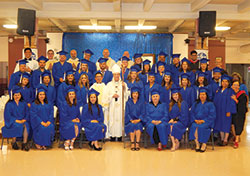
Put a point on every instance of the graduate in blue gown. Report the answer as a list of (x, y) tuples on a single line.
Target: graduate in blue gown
[(42, 119), (203, 68), (202, 119), (187, 91), (92, 120), (178, 117), (107, 75), (185, 68), (82, 89), (165, 90), (216, 80), (70, 123), (26, 91), (138, 61), (16, 77), (84, 68), (146, 69), (201, 81), (16, 119), (134, 117), (61, 91), (60, 68), (175, 67), (151, 85), (162, 58), (157, 121), (36, 78), (134, 80), (91, 65), (51, 91), (161, 71), (124, 67), (225, 107)]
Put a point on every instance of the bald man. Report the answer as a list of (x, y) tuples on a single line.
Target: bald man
[(130, 63), (73, 60), (110, 61)]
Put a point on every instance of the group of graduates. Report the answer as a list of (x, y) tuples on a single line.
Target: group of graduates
[(165, 99)]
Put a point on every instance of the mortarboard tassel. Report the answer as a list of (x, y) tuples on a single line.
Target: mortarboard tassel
[(149, 96), (21, 77), (41, 79), (11, 94), (147, 77), (64, 76), (169, 94), (36, 91)]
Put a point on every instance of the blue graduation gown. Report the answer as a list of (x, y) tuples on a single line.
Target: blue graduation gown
[(148, 90), (91, 67), (144, 78), (108, 76), (223, 104), (157, 113), (93, 131), (90, 76), (125, 74), (81, 95), (28, 94), (159, 78), (165, 95), (14, 79), (67, 114), (191, 77), (62, 93), (188, 95), (179, 128), (42, 113), (35, 78), (214, 87), (204, 112), (138, 84), (13, 112), (155, 68), (196, 89), (175, 71), (51, 94), (58, 71), (134, 112)]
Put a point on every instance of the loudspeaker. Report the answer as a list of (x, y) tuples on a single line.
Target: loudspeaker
[(207, 22), (26, 21)]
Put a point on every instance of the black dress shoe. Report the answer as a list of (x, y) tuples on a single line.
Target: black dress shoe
[(25, 147), (90, 145), (119, 139), (112, 139), (15, 146), (97, 149)]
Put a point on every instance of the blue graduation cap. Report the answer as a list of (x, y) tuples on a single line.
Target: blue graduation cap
[(98, 72), (124, 58), (62, 53), (102, 60), (41, 88), (185, 60), (217, 70), (22, 62), (137, 55), (151, 74), (84, 61), (204, 61), (184, 75), (16, 89), (203, 89), (176, 56), (88, 51), (163, 54), (70, 72), (135, 89), (46, 73), (146, 62), (175, 89), (42, 58), (135, 68), (160, 63), (201, 74), (93, 91), (226, 77), (70, 89), (168, 73), (155, 91), (26, 75)]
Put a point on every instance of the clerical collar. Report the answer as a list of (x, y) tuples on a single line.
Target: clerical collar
[(29, 59)]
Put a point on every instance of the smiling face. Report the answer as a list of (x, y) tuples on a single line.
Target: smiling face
[(84, 67), (161, 68), (98, 78), (41, 96), (203, 96), (50, 54), (70, 77), (201, 80), (116, 76), (46, 79), (73, 54), (162, 58), (42, 64), (224, 83), (155, 98), (72, 95), (236, 86), (203, 66), (92, 98), (62, 58), (27, 54), (105, 53), (25, 81), (17, 96), (138, 60), (151, 79), (184, 82), (184, 65), (175, 96), (167, 78), (84, 79), (22, 67)]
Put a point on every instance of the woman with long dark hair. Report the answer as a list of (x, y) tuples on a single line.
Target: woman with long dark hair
[(84, 69), (185, 68), (201, 81), (92, 119), (178, 117), (203, 68), (82, 89), (51, 90), (70, 123), (16, 119), (42, 119), (166, 85), (146, 69), (239, 117)]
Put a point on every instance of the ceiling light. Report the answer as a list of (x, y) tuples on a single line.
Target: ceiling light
[(222, 28), (10, 26), (95, 27), (140, 27)]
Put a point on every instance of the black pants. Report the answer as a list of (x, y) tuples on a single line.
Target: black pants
[(156, 136), (238, 121)]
